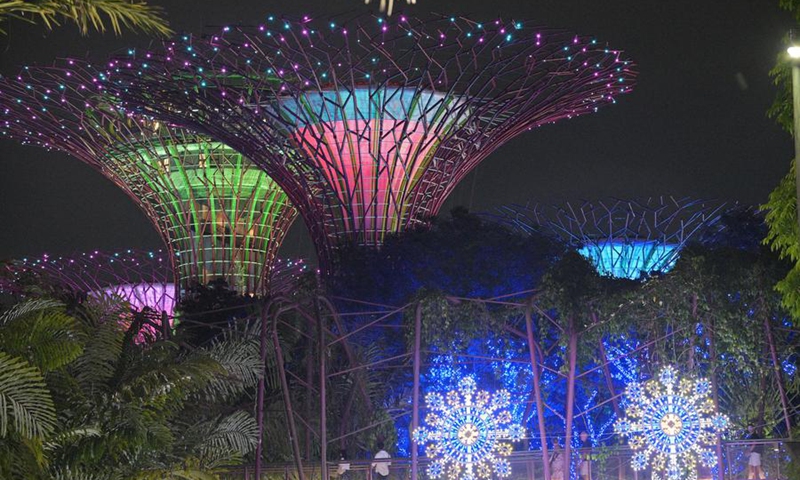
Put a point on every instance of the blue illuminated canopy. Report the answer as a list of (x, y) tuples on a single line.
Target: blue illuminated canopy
[(630, 259)]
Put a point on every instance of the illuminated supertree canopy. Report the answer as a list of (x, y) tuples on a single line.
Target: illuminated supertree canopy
[(369, 124), (622, 238), (466, 433), (671, 423), (143, 279), (219, 214)]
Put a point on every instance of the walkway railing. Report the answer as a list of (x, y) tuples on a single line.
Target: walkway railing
[(610, 463)]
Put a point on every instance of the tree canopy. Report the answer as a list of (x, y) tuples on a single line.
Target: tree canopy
[(461, 255), (784, 234), (83, 397)]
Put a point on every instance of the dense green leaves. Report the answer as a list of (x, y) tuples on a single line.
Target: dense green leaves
[(25, 403), (784, 236), (41, 332), (81, 398), (460, 256), (224, 439)]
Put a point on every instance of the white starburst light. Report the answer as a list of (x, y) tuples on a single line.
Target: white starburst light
[(466, 433), (670, 423)]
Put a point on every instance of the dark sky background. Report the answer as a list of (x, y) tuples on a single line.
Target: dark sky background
[(695, 125)]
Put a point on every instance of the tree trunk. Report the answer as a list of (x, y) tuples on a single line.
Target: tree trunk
[(537, 388), (572, 354), (287, 400), (323, 405), (261, 388), (693, 333), (415, 393), (715, 395), (345, 423), (778, 374), (609, 380)]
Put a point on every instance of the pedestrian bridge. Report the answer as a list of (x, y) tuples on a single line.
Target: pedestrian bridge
[(608, 463)]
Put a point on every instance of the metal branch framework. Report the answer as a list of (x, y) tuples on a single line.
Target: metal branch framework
[(538, 368), (143, 279), (369, 124), (622, 238), (219, 214)]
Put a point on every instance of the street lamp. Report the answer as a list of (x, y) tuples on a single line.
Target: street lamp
[(794, 54)]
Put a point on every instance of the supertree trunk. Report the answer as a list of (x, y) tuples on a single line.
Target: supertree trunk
[(572, 360), (287, 399), (537, 388), (776, 367), (415, 394)]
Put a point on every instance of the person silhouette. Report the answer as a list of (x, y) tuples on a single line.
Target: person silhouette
[(585, 468), (381, 462), (557, 462), (755, 451), (343, 469)]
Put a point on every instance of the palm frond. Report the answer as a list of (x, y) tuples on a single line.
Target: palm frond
[(70, 436), (228, 440), (91, 14), (24, 309), (163, 378), (21, 458), (67, 473), (25, 401), (41, 332), (238, 354), (98, 363), (177, 474)]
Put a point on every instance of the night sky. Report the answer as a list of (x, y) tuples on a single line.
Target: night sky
[(695, 125)]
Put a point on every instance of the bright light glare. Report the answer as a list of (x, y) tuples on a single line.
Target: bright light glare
[(793, 51)]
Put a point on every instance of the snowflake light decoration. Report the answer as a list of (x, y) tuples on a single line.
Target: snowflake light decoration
[(465, 433), (670, 425)]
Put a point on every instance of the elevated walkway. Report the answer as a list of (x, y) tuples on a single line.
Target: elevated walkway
[(610, 463)]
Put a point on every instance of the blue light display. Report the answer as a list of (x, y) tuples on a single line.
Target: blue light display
[(670, 424), (466, 433), (630, 259)]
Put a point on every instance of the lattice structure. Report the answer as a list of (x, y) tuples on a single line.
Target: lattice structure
[(369, 124), (143, 279), (622, 238), (218, 213)]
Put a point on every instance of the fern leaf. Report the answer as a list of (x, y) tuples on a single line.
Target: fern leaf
[(25, 402)]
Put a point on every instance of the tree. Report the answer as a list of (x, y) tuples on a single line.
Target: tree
[(206, 310), (37, 337), (784, 235), (719, 315), (88, 15), (460, 255), (83, 398)]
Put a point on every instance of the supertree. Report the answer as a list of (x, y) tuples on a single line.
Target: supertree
[(622, 238), (369, 124), (218, 215), (141, 278), (144, 279)]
